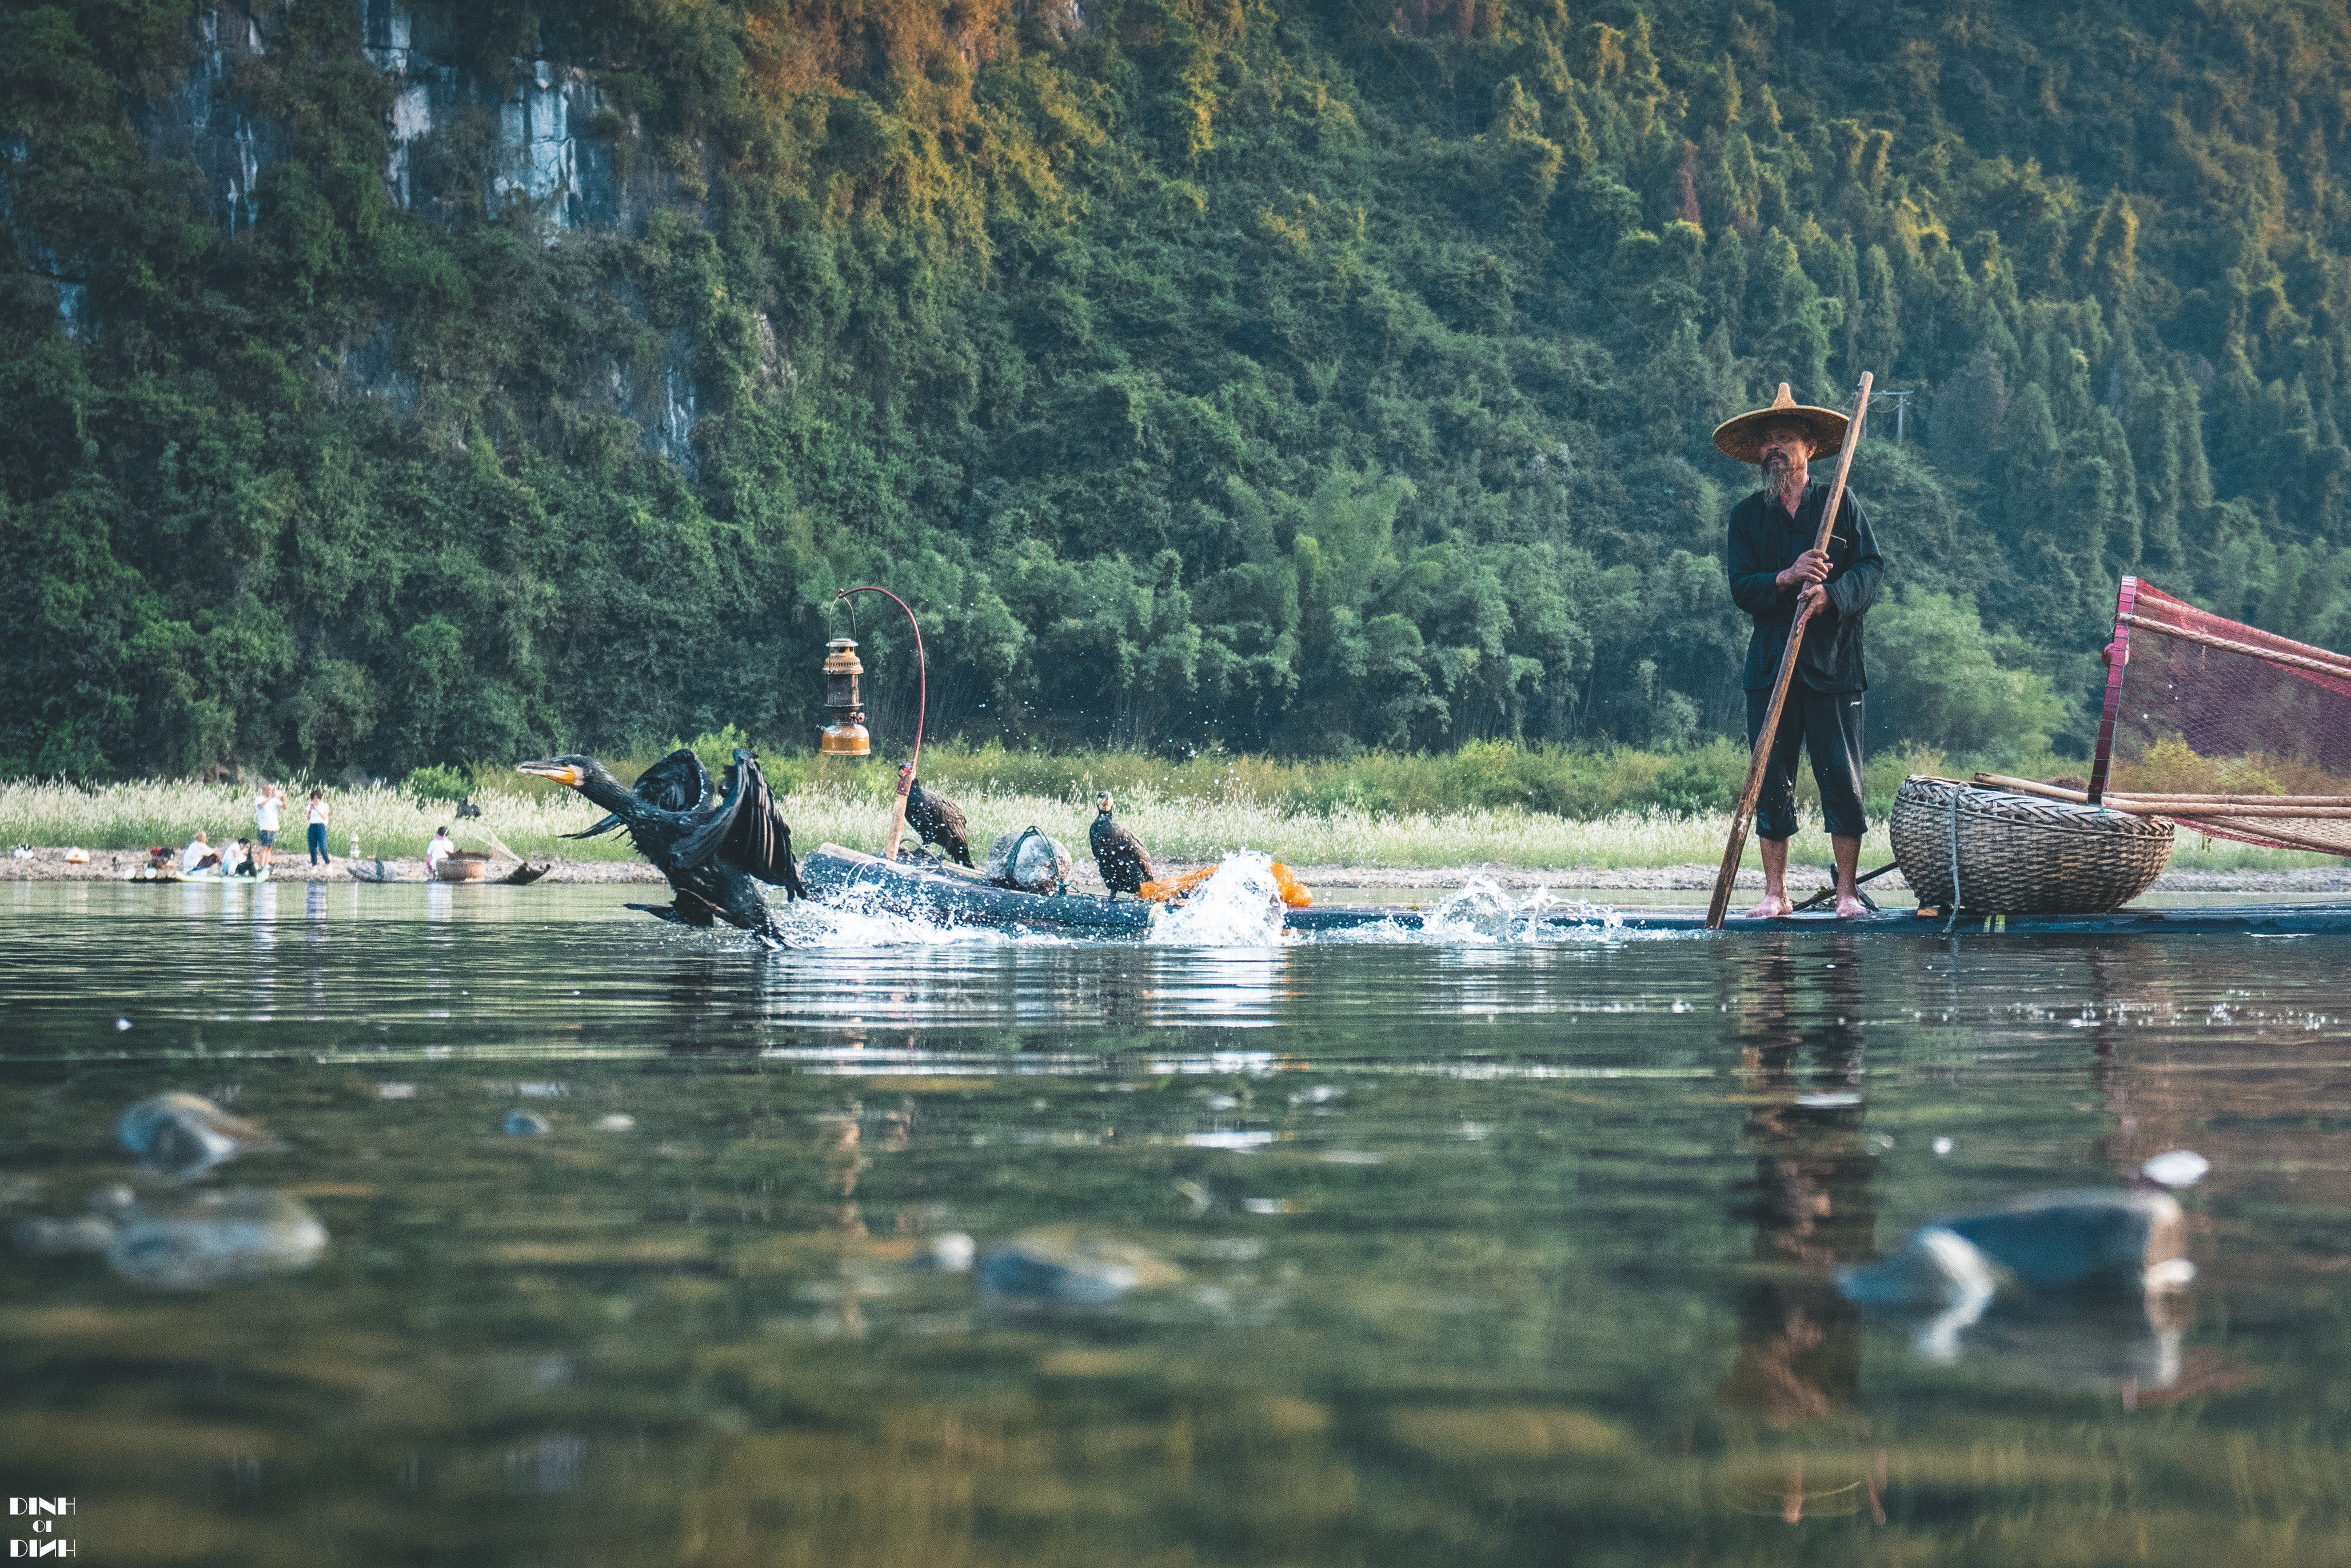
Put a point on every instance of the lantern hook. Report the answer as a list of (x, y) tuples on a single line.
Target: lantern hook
[(921, 702)]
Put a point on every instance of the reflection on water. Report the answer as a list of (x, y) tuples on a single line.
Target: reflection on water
[(1798, 1366), (995, 1249)]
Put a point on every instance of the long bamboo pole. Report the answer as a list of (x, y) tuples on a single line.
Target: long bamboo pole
[(2276, 644), (2159, 797), (2202, 818), (1745, 816), (2339, 667), (2190, 810), (2155, 805)]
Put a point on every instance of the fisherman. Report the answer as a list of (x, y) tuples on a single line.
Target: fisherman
[(1778, 577)]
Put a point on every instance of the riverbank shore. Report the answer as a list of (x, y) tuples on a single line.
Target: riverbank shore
[(117, 864), (1418, 848)]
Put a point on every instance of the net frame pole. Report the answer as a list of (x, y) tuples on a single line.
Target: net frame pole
[(1745, 816), (2276, 644), (2118, 657), (2335, 664)]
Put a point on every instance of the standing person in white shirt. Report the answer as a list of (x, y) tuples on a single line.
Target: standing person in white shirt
[(440, 849), (318, 856), (265, 812)]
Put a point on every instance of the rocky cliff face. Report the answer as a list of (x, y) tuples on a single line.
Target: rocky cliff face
[(461, 141), (200, 123), (551, 143)]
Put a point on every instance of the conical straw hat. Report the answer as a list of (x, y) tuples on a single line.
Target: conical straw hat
[(1741, 437)]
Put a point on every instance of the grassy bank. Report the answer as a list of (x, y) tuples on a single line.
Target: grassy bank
[(1541, 808), (852, 811)]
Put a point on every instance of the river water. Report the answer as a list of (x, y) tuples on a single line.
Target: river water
[(1445, 1249)]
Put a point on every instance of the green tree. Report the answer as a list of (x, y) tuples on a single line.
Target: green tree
[(1939, 679)]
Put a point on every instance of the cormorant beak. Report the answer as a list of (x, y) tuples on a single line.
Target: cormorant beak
[(565, 773)]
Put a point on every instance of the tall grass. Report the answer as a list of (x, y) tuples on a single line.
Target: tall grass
[(1584, 783), (1390, 813)]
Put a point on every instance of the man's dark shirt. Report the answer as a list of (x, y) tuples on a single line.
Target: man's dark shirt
[(1764, 542)]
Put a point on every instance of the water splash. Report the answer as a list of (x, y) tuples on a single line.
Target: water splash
[(863, 918), (1481, 911), (1240, 906)]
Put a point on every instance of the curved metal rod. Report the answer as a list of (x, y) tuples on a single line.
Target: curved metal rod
[(922, 703)]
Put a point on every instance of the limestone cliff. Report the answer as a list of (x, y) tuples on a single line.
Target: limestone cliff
[(531, 140)]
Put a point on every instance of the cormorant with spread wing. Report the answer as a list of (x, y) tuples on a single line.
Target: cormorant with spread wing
[(937, 820), (1119, 854), (711, 852)]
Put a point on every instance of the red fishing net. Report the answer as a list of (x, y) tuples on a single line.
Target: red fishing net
[(2227, 730)]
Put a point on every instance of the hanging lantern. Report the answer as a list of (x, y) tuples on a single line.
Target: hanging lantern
[(845, 736)]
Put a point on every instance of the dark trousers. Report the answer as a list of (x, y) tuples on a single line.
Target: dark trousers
[(1828, 725), (319, 844)]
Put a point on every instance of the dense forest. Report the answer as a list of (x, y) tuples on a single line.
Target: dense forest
[(1289, 377)]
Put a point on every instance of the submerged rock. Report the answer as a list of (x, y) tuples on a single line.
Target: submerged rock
[(188, 1240), (86, 1233), (1064, 1269), (2176, 1168), (187, 1134), (55, 1238), (2094, 1241), (2078, 1266), (525, 1124)]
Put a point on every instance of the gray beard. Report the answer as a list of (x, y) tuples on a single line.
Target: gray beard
[(1780, 478)]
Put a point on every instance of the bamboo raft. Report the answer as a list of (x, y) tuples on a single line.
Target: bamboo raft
[(2212, 919), (960, 898)]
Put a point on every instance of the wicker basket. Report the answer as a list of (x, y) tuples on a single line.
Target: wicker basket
[(2021, 855)]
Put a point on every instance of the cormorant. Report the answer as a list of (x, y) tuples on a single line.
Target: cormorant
[(938, 820), (1119, 856), (711, 854)]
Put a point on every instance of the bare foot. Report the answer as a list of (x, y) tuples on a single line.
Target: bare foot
[(1850, 907), (1773, 906)]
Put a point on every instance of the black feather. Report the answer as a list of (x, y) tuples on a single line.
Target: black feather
[(749, 830), (677, 782)]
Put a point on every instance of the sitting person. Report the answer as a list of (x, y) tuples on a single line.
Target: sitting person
[(440, 849), (198, 856), (241, 860)]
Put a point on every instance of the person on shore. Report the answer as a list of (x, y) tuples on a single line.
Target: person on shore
[(440, 849), (239, 861), (198, 856), (1778, 577), (318, 856), (267, 811)]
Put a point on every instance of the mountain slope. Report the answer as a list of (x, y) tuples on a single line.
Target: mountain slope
[(384, 386)]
